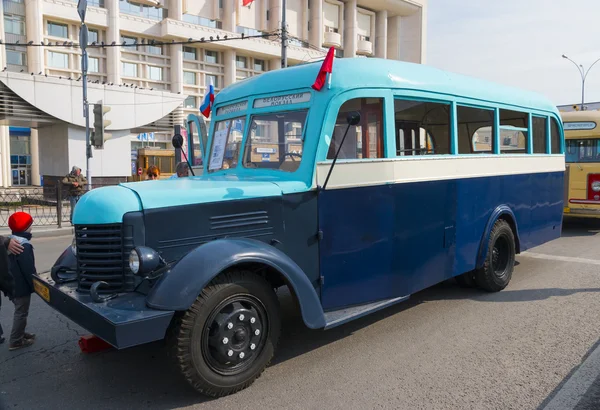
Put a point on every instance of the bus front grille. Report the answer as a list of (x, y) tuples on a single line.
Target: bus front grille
[(102, 255)]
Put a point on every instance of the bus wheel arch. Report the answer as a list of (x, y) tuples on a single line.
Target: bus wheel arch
[(505, 213), (228, 337)]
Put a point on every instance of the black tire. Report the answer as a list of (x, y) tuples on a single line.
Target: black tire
[(497, 269), (199, 344), (466, 280)]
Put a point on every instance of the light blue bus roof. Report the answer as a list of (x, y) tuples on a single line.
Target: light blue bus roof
[(351, 73)]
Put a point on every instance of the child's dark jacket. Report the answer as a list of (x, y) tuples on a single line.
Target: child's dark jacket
[(22, 266)]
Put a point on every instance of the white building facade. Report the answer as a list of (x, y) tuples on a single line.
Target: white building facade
[(151, 88)]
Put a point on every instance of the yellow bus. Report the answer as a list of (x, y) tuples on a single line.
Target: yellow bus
[(582, 157)]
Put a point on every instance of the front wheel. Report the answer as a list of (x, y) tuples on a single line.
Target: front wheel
[(499, 262), (226, 339)]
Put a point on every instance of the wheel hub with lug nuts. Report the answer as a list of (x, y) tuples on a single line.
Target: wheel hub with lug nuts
[(235, 335)]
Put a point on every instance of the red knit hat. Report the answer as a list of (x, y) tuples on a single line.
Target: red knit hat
[(20, 221)]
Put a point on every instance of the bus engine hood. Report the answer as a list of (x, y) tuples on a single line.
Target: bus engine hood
[(107, 205), (188, 191)]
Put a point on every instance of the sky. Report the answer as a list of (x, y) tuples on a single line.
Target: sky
[(519, 43)]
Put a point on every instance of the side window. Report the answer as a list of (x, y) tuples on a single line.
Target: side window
[(555, 137), (364, 140), (475, 130), (539, 134), (422, 128), (513, 132)]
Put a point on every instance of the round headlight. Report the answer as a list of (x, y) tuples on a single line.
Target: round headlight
[(134, 262), (74, 246), (596, 186)]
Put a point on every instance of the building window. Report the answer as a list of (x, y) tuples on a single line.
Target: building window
[(96, 3), (128, 40), (155, 73), (156, 50), (14, 24), (211, 57), (129, 70), (92, 36), (58, 30), (212, 79), (15, 57), (93, 65), (136, 9), (201, 21), (58, 60), (189, 77), (240, 62), (331, 17), (363, 38), (190, 102), (189, 53), (259, 65)]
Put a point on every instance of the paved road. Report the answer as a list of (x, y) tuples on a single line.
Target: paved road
[(446, 348)]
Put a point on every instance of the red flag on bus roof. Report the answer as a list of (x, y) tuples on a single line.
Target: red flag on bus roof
[(326, 67), (246, 2)]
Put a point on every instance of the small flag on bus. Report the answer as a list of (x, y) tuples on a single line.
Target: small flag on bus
[(326, 67)]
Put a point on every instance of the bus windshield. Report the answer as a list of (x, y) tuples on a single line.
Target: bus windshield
[(274, 141), (582, 150)]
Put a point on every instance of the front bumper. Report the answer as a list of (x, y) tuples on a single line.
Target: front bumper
[(123, 322)]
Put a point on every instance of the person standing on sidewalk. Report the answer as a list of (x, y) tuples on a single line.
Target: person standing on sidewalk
[(76, 183), (22, 267), (7, 284)]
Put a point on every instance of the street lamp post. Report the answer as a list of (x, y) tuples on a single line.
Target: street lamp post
[(583, 74)]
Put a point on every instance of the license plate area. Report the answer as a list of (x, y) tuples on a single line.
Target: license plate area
[(41, 290)]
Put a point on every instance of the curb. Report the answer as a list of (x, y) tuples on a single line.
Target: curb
[(45, 232)]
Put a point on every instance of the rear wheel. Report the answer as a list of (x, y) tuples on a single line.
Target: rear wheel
[(229, 335), (497, 269)]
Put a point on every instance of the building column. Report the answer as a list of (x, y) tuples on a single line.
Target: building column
[(393, 37), (410, 38), (5, 157), (229, 15), (275, 15), (176, 68), (35, 158), (230, 70), (316, 24), (381, 34), (34, 27), (274, 64), (175, 9), (113, 33), (350, 23)]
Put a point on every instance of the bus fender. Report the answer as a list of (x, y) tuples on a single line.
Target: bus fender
[(179, 287), (502, 211)]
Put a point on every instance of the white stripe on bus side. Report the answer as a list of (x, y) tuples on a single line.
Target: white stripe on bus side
[(356, 173)]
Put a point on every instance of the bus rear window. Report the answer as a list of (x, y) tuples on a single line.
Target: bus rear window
[(275, 141)]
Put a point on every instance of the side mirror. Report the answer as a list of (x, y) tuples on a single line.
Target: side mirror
[(177, 141), (353, 118)]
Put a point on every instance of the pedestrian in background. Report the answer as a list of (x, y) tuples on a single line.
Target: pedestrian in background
[(7, 285), (76, 183), (153, 172), (181, 170), (22, 267)]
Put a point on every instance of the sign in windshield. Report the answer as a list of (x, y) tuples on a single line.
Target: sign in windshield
[(282, 100)]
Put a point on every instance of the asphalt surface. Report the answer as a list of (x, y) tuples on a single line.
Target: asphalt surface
[(527, 347)]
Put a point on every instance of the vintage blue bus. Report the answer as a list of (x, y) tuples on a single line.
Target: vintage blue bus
[(391, 179)]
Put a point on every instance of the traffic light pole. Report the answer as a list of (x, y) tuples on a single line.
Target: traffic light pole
[(83, 42), (86, 113)]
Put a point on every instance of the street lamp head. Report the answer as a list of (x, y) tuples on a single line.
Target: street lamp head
[(564, 56)]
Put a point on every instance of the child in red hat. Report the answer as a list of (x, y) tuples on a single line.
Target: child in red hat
[(22, 267)]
